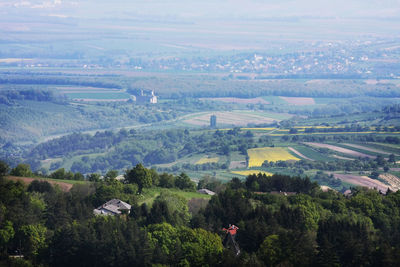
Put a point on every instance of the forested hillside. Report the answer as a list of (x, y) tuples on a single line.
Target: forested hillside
[(282, 221)]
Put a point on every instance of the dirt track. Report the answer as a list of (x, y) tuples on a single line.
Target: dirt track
[(27, 180)]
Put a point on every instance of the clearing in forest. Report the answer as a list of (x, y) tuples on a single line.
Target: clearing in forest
[(207, 160), (257, 156), (249, 172), (341, 150)]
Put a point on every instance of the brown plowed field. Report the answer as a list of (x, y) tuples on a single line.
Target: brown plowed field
[(391, 179), (362, 181), (341, 150), (27, 180)]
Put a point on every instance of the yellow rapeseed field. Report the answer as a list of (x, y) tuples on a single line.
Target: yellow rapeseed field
[(207, 160), (248, 172), (259, 155)]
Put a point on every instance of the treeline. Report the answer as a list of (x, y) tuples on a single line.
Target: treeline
[(195, 86), (61, 80), (7, 97), (365, 164)]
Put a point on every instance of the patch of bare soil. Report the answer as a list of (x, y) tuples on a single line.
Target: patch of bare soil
[(237, 164), (362, 181), (27, 180), (341, 150), (391, 179)]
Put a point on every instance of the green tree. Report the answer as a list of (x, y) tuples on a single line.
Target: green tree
[(270, 250), (111, 174), (58, 174), (33, 239), (182, 181), (78, 176), (139, 175), (167, 180), (176, 211), (3, 168), (22, 169), (94, 177), (6, 234)]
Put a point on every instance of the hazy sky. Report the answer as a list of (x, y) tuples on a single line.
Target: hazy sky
[(217, 8)]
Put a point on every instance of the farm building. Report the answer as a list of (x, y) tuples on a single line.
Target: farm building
[(113, 207), (146, 97)]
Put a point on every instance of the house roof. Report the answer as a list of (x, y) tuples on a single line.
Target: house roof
[(206, 191), (114, 206), (119, 203)]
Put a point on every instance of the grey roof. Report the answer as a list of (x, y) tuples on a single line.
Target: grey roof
[(119, 203), (114, 206), (206, 191)]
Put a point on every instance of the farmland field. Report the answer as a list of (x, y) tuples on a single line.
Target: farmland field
[(391, 179), (299, 100), (93, 93), (234, 118), (249, 172), (64, 185), (340, 150), (299, 154), (362, 181), (259, 155), (205, 160), (257, 100)]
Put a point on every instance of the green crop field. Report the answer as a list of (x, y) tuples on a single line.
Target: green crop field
[(98, 96)]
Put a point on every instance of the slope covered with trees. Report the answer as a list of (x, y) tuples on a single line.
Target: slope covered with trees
[(282, 221)]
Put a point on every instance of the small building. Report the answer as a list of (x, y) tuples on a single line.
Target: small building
[(213, 121), (146, 97), (113, 207), (206, 192)]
